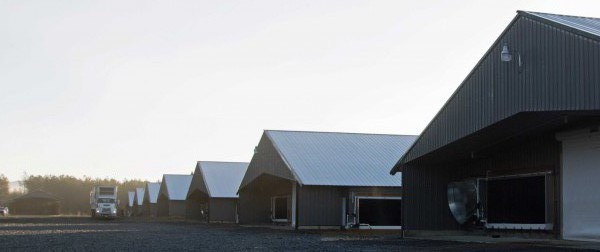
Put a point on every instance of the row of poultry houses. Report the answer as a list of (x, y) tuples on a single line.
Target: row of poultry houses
[(514, 149), (299, 179)]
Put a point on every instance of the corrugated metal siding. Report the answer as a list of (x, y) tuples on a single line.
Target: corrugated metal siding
[(223, 209), (560, 72), (320, 205), (255, 199), (425, 205), (341, 159), (197, 183), (266, 160), (177, 208)]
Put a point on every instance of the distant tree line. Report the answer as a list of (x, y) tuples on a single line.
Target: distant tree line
[(4, 189), (74, 193)]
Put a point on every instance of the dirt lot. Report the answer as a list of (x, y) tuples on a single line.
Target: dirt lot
[(84, 234)]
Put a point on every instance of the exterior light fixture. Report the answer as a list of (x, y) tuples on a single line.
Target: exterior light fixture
[(505, 55)]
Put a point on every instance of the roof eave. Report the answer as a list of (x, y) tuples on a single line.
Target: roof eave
[(534, 16)]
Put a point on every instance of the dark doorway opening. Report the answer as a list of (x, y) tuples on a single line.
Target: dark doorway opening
[(517, 200), (280, 208), (380, 212)]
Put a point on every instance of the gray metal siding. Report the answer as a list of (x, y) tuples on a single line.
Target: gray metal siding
[(266, 160), (425, 204), (560, 72), (177, 208), (150, 209), (255, 199), (197, 183), (320, 205), (223, 209)]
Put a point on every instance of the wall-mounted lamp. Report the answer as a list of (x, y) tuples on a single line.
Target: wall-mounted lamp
[(506, 56)]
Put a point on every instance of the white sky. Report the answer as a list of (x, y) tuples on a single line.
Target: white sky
[(135, 89)]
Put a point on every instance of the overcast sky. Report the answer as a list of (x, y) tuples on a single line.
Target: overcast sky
[(135, 89)]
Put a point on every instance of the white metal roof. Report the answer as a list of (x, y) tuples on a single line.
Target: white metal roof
[(222, 179), (139, 196), (130, 197), (341, 159), (152, 192), (177, 185)]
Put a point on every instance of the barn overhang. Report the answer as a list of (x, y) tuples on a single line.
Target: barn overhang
[(512, 130)]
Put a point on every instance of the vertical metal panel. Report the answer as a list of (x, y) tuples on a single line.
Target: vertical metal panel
[(222, 209), (266, 160), (255, 199), (560, 72), (320, 205)]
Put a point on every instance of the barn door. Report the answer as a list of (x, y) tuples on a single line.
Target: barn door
[(580, 187)]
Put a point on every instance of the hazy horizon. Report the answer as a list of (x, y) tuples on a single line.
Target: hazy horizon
[(137, 89)]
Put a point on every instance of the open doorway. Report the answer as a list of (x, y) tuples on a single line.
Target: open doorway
[(279, 209), (374, 212), (517, 202)]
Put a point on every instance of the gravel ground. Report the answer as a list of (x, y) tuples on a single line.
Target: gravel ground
[(85, 234)]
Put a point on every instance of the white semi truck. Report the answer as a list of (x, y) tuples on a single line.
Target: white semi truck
[(103, 202)]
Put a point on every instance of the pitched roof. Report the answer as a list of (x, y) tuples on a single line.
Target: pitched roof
[(139, 195), (176, 185), (587, 25), (340, 159), (435, 136), (130, 198), (152, 192), (222, 179)]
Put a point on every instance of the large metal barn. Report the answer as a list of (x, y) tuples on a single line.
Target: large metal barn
[(515, 148), (212, 196), (323, 180)]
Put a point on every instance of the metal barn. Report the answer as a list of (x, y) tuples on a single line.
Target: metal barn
[(515, 148), (35, 203), (149, 207), (212, 196), (323, 180), (171, 195), (130, 202), (138, 200)]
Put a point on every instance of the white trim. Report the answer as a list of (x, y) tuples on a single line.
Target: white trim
[(273, 208), (293, 204), (363, 226), (380, 197), (545, 226)]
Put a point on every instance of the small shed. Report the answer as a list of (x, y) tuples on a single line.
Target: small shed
[(139, 199), (35, 203), (172, 193), (323, 180), (130, 202), (212, 196), (150, 198)]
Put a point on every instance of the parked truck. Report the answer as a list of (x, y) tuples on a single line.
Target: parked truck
[(103, 202)]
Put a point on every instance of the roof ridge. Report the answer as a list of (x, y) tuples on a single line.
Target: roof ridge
[(339, 132), (555, 14)]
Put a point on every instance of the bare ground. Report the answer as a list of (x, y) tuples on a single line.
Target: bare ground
[(85, 234)]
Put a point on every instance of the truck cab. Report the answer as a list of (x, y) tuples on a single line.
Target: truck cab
[(103, 202)]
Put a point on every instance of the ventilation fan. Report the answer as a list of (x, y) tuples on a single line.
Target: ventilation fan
[(463, 200)]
